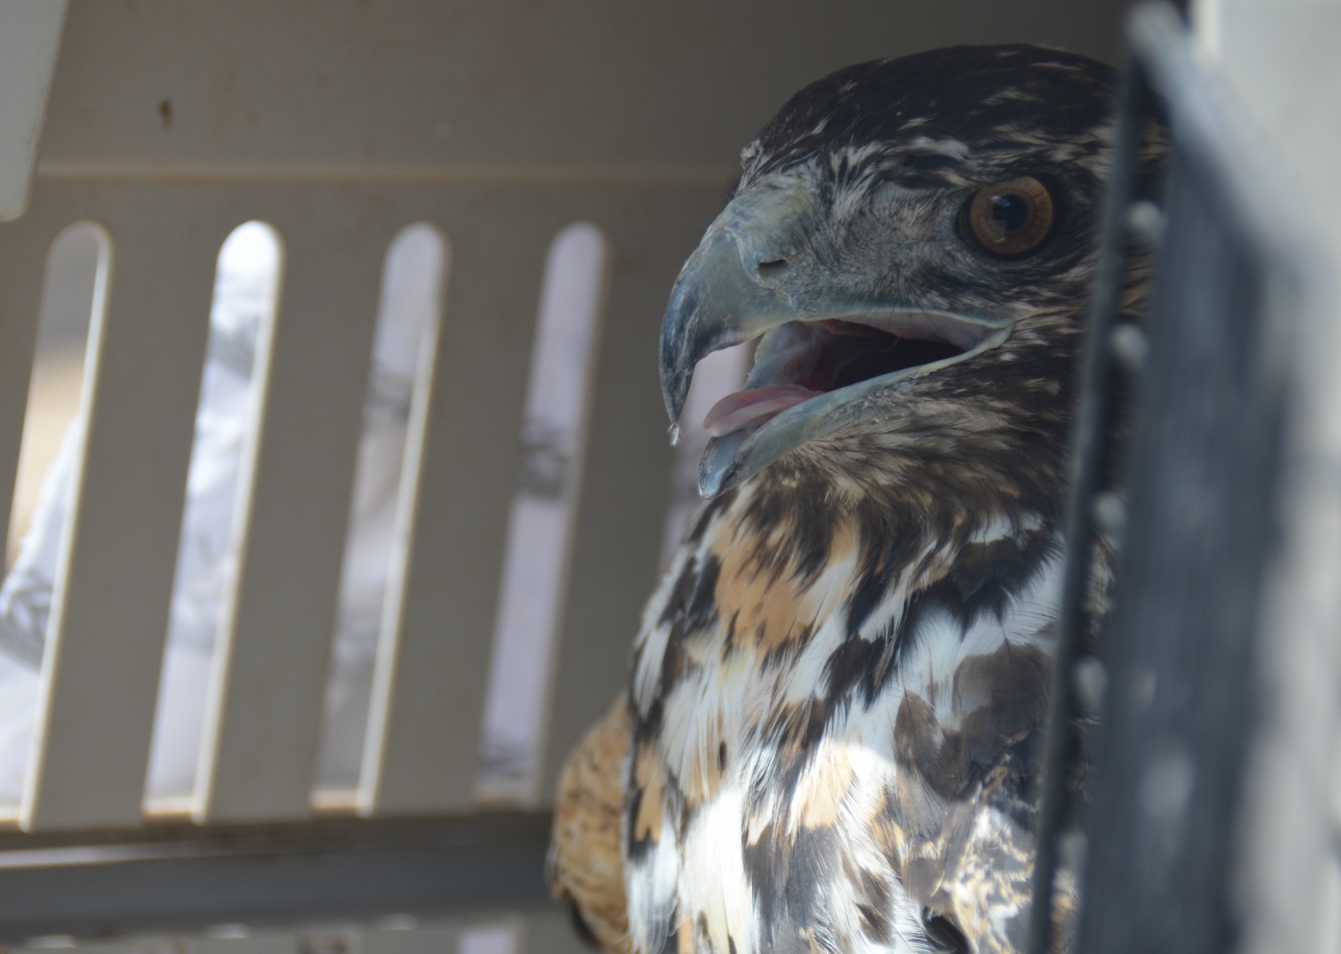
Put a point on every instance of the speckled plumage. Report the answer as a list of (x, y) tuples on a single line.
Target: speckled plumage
[(837, 697)]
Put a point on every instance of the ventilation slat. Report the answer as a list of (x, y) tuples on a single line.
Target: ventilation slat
[(114, 577), (422, 746), (264, 714), (413, 279), (622, 505), (23, 255), (539, 541), (422, 750)]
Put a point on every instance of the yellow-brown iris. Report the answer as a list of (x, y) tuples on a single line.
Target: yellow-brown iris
[(1011, 217)]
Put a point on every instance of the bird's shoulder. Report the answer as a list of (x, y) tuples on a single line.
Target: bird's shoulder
[(585, 865)]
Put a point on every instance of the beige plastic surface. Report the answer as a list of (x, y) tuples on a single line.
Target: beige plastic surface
[(510, 90), (30, 33)]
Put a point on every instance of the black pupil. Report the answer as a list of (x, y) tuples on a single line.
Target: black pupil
[(1010, 211)]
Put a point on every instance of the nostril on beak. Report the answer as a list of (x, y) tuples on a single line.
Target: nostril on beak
[(773, 267)]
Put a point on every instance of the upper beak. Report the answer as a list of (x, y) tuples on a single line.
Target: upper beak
[(722, 296)]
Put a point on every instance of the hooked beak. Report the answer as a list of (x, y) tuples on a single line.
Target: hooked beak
[(748, 278), (728, 291)]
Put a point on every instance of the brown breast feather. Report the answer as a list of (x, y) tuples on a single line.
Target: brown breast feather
[(585, 866), (970, 852)]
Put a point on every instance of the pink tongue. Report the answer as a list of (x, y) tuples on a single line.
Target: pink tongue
[(746, 408)]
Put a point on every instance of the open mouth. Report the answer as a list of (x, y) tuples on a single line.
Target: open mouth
[(801, 360), (809, 377)]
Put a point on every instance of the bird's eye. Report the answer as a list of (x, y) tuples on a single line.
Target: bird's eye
[(1011, 217)]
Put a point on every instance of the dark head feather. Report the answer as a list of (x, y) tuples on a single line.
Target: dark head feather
[(986, 97)]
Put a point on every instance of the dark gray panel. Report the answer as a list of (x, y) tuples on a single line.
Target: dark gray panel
[(92, 884)]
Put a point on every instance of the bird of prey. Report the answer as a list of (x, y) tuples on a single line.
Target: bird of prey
[(831, 740)]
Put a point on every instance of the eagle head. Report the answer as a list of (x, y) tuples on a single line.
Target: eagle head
[(912, 242)]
